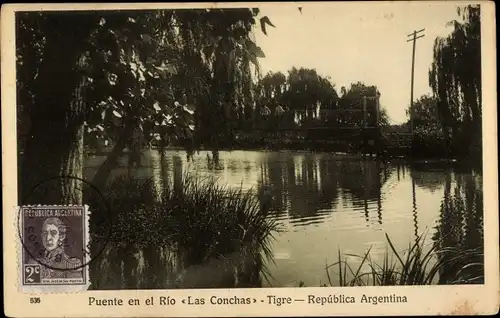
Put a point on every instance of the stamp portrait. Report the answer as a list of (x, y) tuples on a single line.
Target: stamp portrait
[(54, 240)]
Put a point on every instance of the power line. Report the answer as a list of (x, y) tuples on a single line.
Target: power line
[(413, 37)]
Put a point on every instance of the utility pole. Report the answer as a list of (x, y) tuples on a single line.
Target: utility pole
[(413, 38)]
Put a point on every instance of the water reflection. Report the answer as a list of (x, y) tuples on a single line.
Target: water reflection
[(327, 202), (460, 227), (306, 188), (427, 177)]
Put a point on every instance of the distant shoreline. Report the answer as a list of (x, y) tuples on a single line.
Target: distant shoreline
[(344, 155)]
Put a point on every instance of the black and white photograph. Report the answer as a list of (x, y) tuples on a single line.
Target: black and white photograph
[(233, 161), (248, 146)]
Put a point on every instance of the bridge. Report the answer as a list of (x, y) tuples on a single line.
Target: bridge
[(364, 132), (364, 139)]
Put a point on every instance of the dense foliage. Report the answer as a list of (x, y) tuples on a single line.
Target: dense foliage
[(128, 79), (428, 137), (455, 78), (303, 97)]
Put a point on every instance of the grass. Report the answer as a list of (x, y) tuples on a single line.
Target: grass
[(204, 222), (213, 221), (415, 267)]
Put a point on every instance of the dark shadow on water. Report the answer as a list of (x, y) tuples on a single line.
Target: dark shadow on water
[(460, 229)]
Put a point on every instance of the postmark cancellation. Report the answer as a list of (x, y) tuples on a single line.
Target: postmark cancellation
[(53, 248)]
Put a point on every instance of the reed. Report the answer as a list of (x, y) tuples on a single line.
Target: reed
[(416, 266), (213, 221), (210, 226)]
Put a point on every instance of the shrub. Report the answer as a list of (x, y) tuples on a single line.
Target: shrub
[(428, 140)]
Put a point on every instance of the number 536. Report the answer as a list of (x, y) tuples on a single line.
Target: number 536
[(34, 300)]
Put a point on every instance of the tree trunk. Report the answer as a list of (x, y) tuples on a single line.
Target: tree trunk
[(72, 165), (55, 145)]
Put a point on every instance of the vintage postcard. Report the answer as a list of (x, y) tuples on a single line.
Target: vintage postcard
[(249, 159)]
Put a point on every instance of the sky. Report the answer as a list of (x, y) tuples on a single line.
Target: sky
[(357, 41)]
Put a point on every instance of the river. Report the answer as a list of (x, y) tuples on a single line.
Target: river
[(327, 202)]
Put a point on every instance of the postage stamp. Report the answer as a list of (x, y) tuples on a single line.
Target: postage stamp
[(54, 254)]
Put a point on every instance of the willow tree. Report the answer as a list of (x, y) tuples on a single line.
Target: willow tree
[(122, 75), (307, 90), (455, 78), (270, 90), (351, 99), (219, 42)]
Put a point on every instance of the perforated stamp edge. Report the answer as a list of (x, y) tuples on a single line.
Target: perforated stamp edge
[(51, 289)]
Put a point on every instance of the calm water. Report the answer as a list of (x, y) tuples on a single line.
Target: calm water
[(328, 203)]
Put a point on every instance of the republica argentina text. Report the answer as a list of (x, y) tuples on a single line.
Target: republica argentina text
[(344, 299)]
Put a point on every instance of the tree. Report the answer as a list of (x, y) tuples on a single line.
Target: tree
[(307, 91), (269, 92), (220, 41), (137, 96), (383, 117), (352, 99), (427, 132), (304, 91), (424, 111), (455, 78), (117, 75)]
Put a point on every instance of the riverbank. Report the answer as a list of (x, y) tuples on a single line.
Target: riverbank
[(340, 155), (191, 234)]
